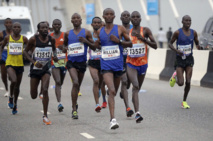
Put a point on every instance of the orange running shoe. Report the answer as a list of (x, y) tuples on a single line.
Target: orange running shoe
[(46, 121), (104, 105)]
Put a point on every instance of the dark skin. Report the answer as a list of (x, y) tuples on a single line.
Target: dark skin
[(57, 75), (111, 81), (186, 21), (135, 79), (75, 74), (8, 25), (34, 82), (15, 78), (96, 76)]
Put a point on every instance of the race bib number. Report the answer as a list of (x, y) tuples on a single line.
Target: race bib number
[(76, 49), (110, 52), (15, 48), (43, 54), (138, 50), (125, 51), (186, 49), (60, 54), (96, 53)]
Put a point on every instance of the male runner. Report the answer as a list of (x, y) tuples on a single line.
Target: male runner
[(137, 62), (8, 25), (110, 38), (42, 46), (95, 66), (185, 38), (14, 62), (77, 41), (58, 68), (125, 18)]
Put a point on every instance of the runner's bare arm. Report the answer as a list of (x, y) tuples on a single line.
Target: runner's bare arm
[(25, 41), (174, 38), (97, 42), (1, 38), (30, 47), (66, 40), (5, 41), (88, 40), (196, 40), (54, 50), (127, 42), (151, 42)]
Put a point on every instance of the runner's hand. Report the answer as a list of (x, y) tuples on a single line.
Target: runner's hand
[(138, 36), (64, 50), (55, 59), (38, 65), (179, 52), (114, 39), (60, 47), (82, 39), (97, 44)]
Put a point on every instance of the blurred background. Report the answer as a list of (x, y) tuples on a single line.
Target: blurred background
[(155, 13)]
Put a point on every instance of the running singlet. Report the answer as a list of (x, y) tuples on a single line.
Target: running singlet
[(137, 55), (94, 55), (185, 43), (62, 57), (111, 56), (125, 50), (42, 53), (77, 51), (15, 52), (4, 53)]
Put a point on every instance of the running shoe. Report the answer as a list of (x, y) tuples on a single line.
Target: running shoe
[(14, 111), (104, 105), (129, 112), (75, 115), (172, 80), (41, 96), (138, 118), (99, 93), (185, 105), (10, 103), (6, 94), (46, 121), (113, 124), (60, 108), (79, 94), (121, 96), (98, 109)]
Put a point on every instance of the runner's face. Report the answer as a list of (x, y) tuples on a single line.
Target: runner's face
[(16, 29), (125, 18), (96, 24), (43, 30), (187, 22), (136, 19), (76, 20), (8, 24), (109, 16), (56, 26)]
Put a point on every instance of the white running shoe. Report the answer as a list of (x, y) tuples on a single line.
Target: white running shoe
[(6, 94), (114, 124)]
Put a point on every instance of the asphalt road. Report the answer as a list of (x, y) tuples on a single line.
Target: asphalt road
[(160, 105)]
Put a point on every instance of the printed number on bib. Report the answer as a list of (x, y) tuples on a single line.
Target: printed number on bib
[(76, 49), (110, 52), (96, 53), (186, 49), (125, 51), (138, 50), (15, 48), (60, 54), (43, 54)]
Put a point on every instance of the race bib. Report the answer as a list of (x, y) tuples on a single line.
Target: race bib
[(125, 51), (60, 54), (110, 52), (43, 54), (186, 49), (138, 50), (76, 49), (15, 48), (96, 53)]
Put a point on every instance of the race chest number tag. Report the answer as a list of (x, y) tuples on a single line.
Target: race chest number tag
[(138, 50), (110, 52), (43, 54), (186, 49), (15, 48), (76, 49)]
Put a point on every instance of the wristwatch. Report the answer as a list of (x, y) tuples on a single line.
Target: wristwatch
[(120, 41)]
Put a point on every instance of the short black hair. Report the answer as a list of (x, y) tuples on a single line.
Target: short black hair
[(96, 18), (8, 19), (38, 25)]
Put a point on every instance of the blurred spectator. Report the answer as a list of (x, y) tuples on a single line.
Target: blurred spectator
[(161, 37), (169, 34)]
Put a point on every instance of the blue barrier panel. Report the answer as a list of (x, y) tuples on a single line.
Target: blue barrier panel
[(90, 12)]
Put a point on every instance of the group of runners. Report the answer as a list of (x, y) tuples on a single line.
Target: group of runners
[(117, 53)]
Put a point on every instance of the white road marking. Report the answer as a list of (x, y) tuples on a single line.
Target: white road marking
[(142, 91), (47, 112), (1, 88), (20, 98), (87, 135)]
